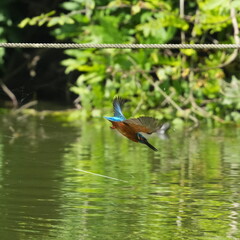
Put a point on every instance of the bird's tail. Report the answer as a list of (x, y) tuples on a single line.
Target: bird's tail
[(164, 128)]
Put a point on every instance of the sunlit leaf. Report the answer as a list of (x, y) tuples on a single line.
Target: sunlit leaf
[(135, 9), (24, 22), (70, 6), (211, 4), (54, 21)]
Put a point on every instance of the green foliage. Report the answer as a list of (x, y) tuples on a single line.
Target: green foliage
[(46, 18), (3, 19), (188, 83), (231, 100)]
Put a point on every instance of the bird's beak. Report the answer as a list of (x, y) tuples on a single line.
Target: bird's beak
[(151, 146)]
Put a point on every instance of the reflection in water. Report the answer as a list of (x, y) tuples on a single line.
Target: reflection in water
[(189, 189)]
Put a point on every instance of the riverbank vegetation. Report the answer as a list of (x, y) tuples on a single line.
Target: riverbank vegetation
[(170, 84)]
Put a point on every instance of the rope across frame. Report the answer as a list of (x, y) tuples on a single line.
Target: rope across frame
[(119, 46)]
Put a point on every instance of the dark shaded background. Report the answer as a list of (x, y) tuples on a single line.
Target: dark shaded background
[(32, 73)]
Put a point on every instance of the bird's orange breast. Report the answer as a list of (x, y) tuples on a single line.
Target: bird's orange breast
[(125, 130)]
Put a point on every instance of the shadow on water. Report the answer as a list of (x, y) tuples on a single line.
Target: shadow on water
[(188, 189)]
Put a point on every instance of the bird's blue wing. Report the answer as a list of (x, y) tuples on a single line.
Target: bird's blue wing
[(117, 107), (114, 119)]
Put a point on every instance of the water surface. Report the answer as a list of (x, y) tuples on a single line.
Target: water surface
[(189, 189)]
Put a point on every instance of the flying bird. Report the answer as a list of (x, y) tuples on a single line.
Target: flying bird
[(133, 127)]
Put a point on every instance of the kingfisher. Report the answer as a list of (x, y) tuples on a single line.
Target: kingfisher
[(133, 127)]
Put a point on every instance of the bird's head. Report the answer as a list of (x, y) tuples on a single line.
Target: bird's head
[(143, 140)]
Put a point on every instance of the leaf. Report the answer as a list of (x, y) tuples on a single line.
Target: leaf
[(91, 68), (236, 116), (235, 4), (54, 21), (178, 123), (71, 6), (117, 3), (188, 52), (211, 4), (42, 21), (24, 22), (135, 9), (71, 64), (34, 20), (69, 20), (50, 13), (90, 78)]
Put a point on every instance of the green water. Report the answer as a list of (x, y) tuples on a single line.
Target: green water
[(189, 189)]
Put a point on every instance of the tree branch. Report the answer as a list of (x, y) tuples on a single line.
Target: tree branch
[(9, 94)]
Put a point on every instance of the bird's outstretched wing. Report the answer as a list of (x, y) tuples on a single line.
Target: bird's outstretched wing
[(143, 124), (118, 103)]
